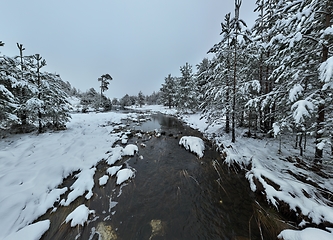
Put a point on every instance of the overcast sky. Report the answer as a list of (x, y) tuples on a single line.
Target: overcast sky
[(138, 42)]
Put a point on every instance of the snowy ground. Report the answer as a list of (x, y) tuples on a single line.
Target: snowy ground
[(33, 166)]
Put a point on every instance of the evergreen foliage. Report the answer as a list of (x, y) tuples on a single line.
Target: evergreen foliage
[(186, 94), (274, 78), (168, 91), (141, 99), (30, 97)]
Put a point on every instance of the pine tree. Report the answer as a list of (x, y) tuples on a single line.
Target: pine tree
[(217, 101), (8, 100), (141, 99), (186, 95), (302, 25), (202, 76), (168, 90), (105, 81)]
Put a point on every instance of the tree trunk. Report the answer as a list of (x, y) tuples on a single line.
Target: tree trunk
[(300, 145), (39, 95), (233, 135), (320, 128), (227, 117), (321, 107)]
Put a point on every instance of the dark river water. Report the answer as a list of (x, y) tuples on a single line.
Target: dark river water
[(174, 195)]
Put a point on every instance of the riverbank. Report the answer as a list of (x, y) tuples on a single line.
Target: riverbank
[(294, 186), (73, 184), (33, 167)]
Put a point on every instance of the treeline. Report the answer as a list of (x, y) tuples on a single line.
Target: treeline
[(273, 78), (139, 100)]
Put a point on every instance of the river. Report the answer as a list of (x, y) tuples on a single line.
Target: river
[(174, 195)]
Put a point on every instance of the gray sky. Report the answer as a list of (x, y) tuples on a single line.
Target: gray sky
[(138, 42)]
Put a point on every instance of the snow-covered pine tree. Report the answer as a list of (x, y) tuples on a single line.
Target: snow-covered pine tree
[(238, 30), (203, 76), (105, 81), (125, 101), (301, 45), (8, 100), (36, 104), (262, 32), (217, 100), (186, 95), (56, 105), (141, 99), (168, 91)]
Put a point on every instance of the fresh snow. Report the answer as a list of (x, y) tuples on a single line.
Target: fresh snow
[(130, 150), (306, 234), (193, 144), (84, 182), (103, 180), (124, 174), (33, 166), (113, 170), (302, 109), (79, 216), (30, 232)]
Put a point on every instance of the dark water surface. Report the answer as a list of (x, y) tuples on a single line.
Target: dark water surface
[(174, 195)]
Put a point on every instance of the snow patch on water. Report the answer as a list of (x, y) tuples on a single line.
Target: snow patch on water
[(124, 175), (79, 216), (193, 144)]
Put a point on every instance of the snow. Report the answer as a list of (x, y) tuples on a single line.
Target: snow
[(262, 161), (113, 170), (295, 92), (31, 232), (306, 234), (84, 182), (194, 144), (155, 108), (124, 174), (302, 109), (79, 216), (130, 150), (33, 166), (276, 129), (326, 73), (103, 180)]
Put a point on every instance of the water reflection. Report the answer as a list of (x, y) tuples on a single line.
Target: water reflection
[(156, 121)]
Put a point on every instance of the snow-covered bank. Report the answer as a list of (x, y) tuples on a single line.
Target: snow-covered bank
[(282, 178), (155, 108), (33, 166)]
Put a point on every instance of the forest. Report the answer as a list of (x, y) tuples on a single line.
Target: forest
[(273, 79)]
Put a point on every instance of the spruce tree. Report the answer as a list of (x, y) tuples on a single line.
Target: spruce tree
[(168, 91)]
